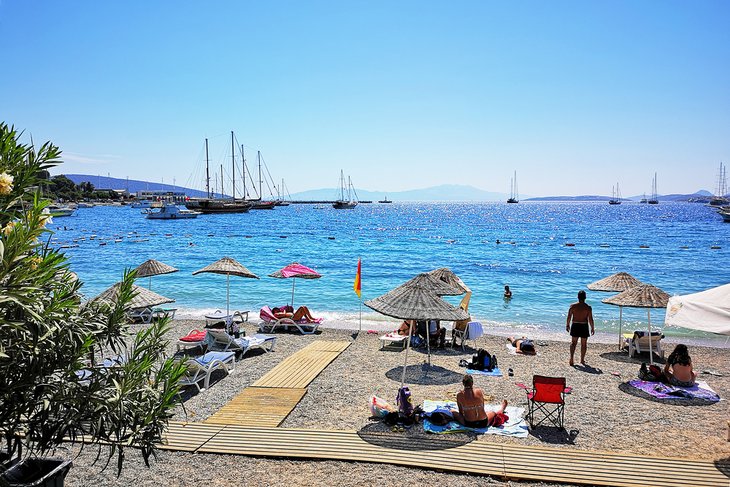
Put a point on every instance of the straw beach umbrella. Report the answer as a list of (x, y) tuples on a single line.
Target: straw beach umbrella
[(414, 302), (447, 275), (295, 270), (618, 282), (642, 296), (143, 298), (153, 267), (229, 267)]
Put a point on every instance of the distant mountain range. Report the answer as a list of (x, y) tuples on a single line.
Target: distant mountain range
[(444, 192)]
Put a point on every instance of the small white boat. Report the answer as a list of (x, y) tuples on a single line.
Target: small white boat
[(84, 204), (171, 212), (59, 211), (142, 204)]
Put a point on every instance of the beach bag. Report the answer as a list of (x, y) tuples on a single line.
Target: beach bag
[(379, 407), (651, 373), (483, 360), (404, 401), (416, 341)]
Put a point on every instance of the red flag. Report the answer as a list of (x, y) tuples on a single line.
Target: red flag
[(358, 284)]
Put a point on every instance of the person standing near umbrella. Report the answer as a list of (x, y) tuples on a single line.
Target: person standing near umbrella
[(580, 315)]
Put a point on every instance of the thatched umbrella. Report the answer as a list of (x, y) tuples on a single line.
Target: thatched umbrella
[(142, 298), (621, 281), (414, 302), (295, 270), (229, 267), (153, 267), (447, 275), (643, 296)]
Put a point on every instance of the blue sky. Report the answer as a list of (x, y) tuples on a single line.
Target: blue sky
[(573, 95)]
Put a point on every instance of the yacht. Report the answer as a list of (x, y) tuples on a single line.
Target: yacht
[(60, 210), (171, 212)]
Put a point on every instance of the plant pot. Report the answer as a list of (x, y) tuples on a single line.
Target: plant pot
[(37, 472)]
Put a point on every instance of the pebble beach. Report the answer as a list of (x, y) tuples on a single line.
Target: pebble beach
[(599, 416)]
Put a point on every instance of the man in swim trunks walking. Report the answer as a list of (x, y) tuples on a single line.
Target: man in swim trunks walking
[(581, 316)]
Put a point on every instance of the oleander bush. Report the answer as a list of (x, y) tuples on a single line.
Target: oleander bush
[(52, 385)]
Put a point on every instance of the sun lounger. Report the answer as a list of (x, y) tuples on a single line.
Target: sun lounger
[(140, 315), (229, 319), (639, 342), (473, 330), (221, 340), (393, 338), (201, 368), (194, 339), (270, 323), (159, 313)]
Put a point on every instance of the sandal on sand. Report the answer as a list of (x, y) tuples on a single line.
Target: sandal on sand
[(510, 372)]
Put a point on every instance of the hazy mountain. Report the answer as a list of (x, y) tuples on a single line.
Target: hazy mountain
[(697, 196)]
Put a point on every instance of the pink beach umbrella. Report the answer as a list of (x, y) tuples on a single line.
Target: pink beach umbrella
[(295, 270)]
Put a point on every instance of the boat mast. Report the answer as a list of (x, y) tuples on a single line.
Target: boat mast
[(207, 171), (243, 165), (349, 189), (261, 179), (233, 164), (221, 181), (517, 196), (342, 185)]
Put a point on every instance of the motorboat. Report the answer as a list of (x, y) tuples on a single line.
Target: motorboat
[(142, 204), (171, 212), (60, 210)]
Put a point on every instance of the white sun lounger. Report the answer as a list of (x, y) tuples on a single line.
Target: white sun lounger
[(221, 340), (201, 368)]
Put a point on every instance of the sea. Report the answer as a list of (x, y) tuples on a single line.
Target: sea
[(545, 251)]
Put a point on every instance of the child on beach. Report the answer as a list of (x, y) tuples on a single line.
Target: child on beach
[(678, 369)]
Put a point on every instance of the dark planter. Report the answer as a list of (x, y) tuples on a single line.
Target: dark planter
[(37, 472)]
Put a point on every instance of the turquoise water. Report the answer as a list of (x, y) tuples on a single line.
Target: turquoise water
[(397, 241)]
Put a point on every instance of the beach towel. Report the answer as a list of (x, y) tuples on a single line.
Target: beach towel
[(493, 373), (663, 391), (515, 426), (513, 350)]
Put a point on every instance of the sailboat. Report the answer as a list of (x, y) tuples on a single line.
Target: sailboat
[(615, 196), (208, 204), (654, 198), (385, 200), (513, 195), (342, 203), (720, 199)]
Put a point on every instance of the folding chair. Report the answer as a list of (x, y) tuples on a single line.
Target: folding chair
[(547, 396)]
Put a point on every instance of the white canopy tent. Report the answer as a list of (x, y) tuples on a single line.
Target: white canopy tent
[(705, 311)]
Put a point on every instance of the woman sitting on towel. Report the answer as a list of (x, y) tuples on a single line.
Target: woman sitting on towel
[(680, 363), (471, 411), (523, 345)]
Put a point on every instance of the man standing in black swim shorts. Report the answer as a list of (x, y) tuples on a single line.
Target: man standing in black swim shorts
[(581, 316)]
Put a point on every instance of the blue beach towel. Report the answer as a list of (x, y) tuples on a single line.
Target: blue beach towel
[(492, 373), (516, 426)]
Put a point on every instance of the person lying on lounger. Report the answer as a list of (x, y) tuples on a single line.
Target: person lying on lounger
[(678, 369), (523, 345), (302, 313), (471, 411), (404, 328)]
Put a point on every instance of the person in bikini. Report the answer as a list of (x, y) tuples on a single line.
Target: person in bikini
[(405, 327), (680, 363), (302, 313), (581, 315), (471, 411)]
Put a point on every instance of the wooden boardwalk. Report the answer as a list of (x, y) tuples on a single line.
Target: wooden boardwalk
[(504, 461), (300, 368), (271, 398)]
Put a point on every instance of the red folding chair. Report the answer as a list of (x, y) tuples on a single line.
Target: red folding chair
[(548, 397)]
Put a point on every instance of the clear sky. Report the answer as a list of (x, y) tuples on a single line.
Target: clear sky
[(573, 95)]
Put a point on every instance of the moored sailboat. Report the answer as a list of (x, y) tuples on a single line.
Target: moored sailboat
[(615, 196), (654, 198), (350, 202), (513, 194)]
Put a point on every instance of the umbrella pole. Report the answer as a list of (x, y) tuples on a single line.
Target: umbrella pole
[(228, 294), (620, 327), (408, 346), (360, 317), (293, 281), (428, 340), (651, 352)]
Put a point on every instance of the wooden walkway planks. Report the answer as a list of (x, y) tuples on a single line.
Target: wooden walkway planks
[(258, 406), (302, 367), (498, 460)]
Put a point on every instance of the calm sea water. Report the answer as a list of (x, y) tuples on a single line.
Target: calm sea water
[(397, 241)]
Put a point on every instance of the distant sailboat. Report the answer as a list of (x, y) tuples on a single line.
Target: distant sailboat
[(385, 200), (719, 199), (513, 194), (349, 202), (615, 196), (654, 198)]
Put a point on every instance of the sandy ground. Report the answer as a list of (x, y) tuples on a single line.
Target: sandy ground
[(599, 414)]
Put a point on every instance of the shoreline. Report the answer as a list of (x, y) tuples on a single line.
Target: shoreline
[(350, 322)]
